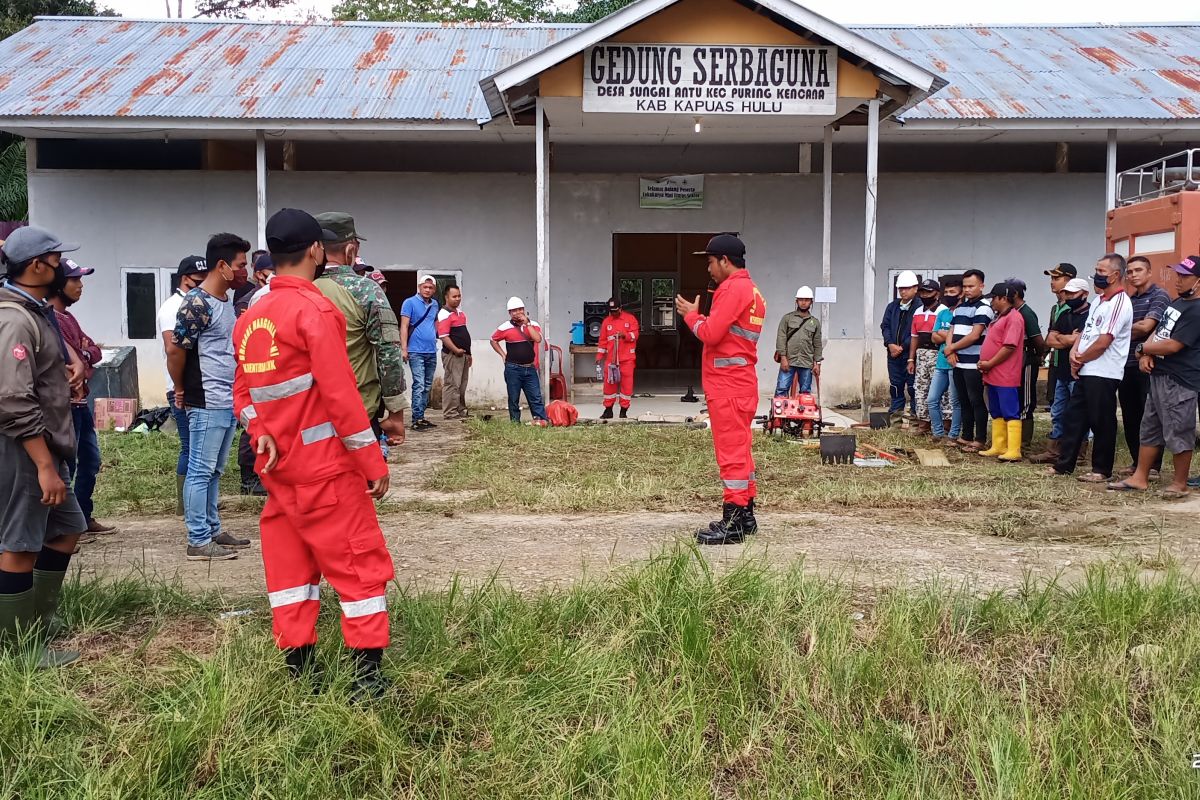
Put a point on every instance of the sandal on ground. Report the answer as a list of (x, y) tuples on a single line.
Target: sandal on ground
[(1054, 473), (1094, 477), (1173, 494), (1122, 486)]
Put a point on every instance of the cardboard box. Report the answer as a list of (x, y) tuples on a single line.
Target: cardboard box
[(115, 413)]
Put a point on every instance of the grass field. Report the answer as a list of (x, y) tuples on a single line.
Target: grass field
[(598, 468), (138, 474), (664, 682)]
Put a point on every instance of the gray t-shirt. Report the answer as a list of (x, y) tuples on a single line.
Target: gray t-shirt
[(204, 328)]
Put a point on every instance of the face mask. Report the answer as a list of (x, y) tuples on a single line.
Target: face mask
[(59, 281), (240, 278), (1076, 303), (1190, 292), (929, 302), (950, 301), (321, 266), (1100, 281)]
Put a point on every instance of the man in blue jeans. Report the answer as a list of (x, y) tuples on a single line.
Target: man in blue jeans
[(418, 344), (1064, 332), (521, 337), (201, 361), (798, 348), (191, 272)]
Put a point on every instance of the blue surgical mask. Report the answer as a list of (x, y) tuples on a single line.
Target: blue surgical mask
[(1101, 281)]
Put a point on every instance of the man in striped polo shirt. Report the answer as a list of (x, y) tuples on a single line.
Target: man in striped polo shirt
[(971, 319), (1098, 361)]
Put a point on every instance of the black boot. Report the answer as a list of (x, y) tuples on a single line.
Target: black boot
[(607, 413), (727, 531), (624, 413), (301, 660), (727, 511), (749, 523), (369, 683)]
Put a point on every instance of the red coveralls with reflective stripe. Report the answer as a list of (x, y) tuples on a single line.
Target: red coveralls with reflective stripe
[(295, 383), (730, 335), (627, 325)]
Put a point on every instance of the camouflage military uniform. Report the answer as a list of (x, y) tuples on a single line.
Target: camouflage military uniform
[(923, 376), (383, 332)]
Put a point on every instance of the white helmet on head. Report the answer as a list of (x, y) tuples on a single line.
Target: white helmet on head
[(804, 293), (906, 279), (514, 303)]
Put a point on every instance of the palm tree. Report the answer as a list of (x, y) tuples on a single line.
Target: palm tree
[(14, 195)]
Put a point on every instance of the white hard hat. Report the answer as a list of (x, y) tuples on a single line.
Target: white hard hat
[(515, 303), (907, 278), (804, 293)]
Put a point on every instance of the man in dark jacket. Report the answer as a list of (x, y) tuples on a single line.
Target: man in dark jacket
[(40, 518), (897, 335)]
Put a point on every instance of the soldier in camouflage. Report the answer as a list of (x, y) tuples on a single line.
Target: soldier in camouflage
[(372, 330)]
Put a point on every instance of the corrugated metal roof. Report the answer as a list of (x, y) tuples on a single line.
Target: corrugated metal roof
[(251, 70), (1062, 72), (230, 70)]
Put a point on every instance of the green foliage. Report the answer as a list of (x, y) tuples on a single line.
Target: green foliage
[(591, 10), (17, 14), (444, 10), (14, 190), (666, 681)]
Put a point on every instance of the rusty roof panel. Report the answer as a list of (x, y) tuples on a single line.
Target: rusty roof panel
[(1064, 72), (223, 70), (201, 69)]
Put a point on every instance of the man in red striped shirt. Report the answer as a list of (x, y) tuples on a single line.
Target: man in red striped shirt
[(456, 354)]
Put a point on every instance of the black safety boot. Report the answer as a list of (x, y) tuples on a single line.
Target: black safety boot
[(727, 531), (300, 660), (749, 523), (369, 683), (607, 413), (624, 413)]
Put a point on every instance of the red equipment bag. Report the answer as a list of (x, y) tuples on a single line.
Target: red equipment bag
[(562, 414), (558, 381)]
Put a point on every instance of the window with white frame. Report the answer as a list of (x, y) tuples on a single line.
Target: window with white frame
[(139, 302)]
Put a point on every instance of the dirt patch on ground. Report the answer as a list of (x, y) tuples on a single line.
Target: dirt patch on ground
[(150, 642), (869, 547)]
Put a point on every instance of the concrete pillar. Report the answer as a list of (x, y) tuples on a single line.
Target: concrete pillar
[(1110, 171), (542, 143), (260, 186), (826, 223), (869, 321)]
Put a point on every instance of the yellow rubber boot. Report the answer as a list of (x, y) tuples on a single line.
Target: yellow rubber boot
[(999, 439), (1014, 441)]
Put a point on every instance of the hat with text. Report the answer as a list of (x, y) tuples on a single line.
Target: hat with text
[(514, 303), (30, 242), (73, 270), (1077, 285), (290, 230), (929, 285), (1189, 266), (191, 265), (1063, 270), (723, 245), (341, 224)]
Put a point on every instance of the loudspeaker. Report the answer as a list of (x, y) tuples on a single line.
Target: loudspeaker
[(593, 318)]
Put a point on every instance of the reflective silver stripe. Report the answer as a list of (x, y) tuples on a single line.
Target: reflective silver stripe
[(736, 484), (318, 433), (279, 391), (625, 396), (248, 413), (357, 441), (742, 332), (736, 361), (610, 397), (296, 594), (696, 327), (365, 608)]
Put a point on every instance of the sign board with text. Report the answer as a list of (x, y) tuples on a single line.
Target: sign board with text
[(675, 191), (780, 80)]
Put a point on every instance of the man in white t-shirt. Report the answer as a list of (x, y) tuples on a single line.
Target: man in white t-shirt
[(191, 272), (1098, 362)]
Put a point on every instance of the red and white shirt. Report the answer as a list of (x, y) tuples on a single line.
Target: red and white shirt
[(518, 348), (454, 324), (1114, 317)]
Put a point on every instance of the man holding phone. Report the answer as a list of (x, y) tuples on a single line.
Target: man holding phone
[(521, 337)]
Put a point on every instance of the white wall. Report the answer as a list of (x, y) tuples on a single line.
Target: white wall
[(483, 224)]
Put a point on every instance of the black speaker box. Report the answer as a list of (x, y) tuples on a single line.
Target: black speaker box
[(593, 318)]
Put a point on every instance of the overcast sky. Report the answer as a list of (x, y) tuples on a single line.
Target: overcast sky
[(914, 12)]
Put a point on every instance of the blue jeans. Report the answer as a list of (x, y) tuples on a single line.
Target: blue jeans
[(518, 378), (783, 385), (1062, 394), (423, 365), (943, 381), (898, 381), (180, 417), (86, 464), (210, 433)]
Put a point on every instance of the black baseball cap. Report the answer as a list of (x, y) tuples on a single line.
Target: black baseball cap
[(1189, 266), (290, 230), (73, 270), (614, 304), (191, 265), (1063, 270), (723, 244), (263, 263), (1002, 289), (929, 285)]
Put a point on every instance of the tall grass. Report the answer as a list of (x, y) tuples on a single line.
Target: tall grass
[(137, 474), (666, 680)]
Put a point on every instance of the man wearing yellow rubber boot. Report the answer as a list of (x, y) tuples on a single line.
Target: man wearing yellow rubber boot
[(1000, 365)]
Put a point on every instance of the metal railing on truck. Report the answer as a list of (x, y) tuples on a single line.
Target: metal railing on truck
[(1178, 172)]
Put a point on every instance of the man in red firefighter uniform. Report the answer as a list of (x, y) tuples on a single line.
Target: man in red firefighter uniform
[(730, 335), (317, 456), (618, 348)]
